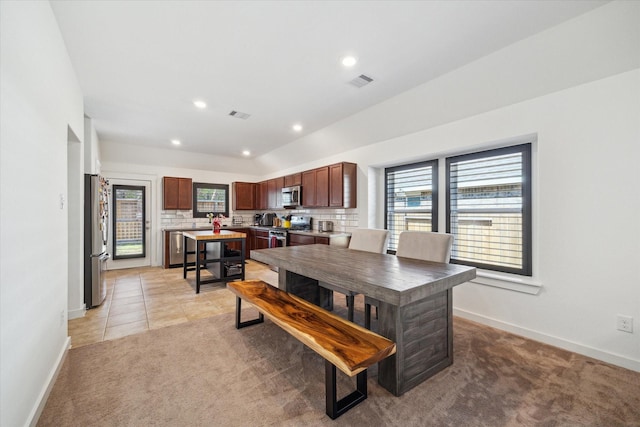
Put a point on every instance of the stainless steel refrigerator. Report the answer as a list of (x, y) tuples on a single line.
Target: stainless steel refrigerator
[(96, 233)]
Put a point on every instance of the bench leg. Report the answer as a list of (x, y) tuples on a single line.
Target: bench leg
[(239, 322), (336, 407)]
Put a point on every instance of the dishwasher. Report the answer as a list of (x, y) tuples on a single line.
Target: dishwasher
[(176, 251)]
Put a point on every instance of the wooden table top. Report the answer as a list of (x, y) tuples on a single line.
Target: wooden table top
[(210, 235), (389, 278)]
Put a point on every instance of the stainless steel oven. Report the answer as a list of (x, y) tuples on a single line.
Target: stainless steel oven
[(277, 238)]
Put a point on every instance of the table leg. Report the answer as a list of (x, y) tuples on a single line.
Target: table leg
[(243, 243), (198, 246), (184, 256), (423, 333), (305, 288)]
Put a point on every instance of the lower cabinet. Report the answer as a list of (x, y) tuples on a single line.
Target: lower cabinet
[(260, 239), (303, 239)]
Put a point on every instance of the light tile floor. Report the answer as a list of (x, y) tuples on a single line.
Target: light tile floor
[(139, 299)]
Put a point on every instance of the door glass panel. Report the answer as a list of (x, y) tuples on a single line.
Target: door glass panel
[(128, 221)]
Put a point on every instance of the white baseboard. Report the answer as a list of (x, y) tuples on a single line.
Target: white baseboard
[(77, 313), (46, 390), (595, 353)]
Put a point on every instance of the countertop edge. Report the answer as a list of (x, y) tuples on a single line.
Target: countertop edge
[(315, 233)]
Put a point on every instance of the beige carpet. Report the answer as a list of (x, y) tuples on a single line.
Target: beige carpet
[(207, 373)]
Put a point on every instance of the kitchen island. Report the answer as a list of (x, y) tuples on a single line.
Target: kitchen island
[(231, 263), (414, 297)]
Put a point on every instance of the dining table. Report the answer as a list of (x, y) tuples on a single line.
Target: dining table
[(414, 300)]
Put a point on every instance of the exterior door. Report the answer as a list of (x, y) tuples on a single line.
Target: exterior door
[(130, 239)]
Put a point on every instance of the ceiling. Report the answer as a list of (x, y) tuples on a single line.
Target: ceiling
[(141, 64)]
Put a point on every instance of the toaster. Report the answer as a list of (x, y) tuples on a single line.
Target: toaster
[(325, 225)]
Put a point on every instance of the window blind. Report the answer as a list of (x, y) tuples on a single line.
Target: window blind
[(411, 194), (489, 209)]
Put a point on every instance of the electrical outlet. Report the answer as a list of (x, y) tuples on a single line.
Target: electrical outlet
[(625, 323), (62, 318)]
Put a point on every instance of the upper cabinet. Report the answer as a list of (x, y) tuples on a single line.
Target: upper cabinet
[(176, 193), (342, 185), (315, 188), (274, 187), (332, 186), (293, 179), (244, 196), (262, 195)]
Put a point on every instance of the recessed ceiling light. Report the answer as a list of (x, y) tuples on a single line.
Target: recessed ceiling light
[(349, 61), (200, 104), (176, 142), (297, 127), (246, 152)]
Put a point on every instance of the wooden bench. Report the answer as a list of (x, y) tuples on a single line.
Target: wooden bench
[(343, 344)]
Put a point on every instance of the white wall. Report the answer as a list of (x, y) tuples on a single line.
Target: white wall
[(40, 101), (154, 174), (75, 208), (586, 199), (92, 164), (178, 158)]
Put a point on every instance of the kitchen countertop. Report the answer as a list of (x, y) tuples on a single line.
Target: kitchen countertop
[(210, 235), (315, 233), (202, 227)]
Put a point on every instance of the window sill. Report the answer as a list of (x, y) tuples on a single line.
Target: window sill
[(510, 282)]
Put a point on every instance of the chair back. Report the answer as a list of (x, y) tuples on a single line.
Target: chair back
[(425, 245), (369, 239)]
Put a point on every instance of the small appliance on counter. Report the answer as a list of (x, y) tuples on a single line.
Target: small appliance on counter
[(267, 219), (325, 225)]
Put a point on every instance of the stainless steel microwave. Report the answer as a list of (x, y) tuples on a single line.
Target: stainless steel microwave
[(292, 197)]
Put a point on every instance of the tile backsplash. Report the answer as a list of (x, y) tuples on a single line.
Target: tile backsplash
[(343, 219)]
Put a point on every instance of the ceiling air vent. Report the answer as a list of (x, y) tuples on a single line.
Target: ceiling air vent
[(239, 115), (361, 80)]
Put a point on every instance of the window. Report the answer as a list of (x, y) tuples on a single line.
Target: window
[(411, 199), (489, 209), (208, 198)]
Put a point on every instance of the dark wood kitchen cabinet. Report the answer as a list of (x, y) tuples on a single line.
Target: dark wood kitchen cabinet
[(274, 193), (302, 239), (176, 193), (342, 185), (262, 195), (261, 239), (293, 179), (315, 187), (244, 195)]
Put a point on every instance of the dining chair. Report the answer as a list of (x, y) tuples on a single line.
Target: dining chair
[(422, 245), (362, 239)]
